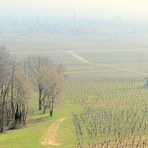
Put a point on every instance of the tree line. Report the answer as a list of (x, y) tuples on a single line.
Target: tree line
[(18, 81)]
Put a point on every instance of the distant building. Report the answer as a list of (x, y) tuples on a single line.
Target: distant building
[(146, 81)]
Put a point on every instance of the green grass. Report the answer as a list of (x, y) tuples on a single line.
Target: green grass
[(90, 89), (30, 135), (67, 132)]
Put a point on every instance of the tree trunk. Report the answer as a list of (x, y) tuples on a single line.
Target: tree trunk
[(3, 111), (51, 108), (51, 113), (16, 114), (40, 98), (40, 104), (44, 106), (12, 101)]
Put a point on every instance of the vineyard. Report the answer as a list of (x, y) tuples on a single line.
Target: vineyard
[(74, 74), (115, 113), (106, 104)]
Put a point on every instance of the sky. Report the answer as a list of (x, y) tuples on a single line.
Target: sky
[(82, 8)]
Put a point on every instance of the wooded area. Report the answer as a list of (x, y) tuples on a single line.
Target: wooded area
[(19, 80)]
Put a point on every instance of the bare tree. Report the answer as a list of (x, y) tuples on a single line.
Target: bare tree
[(54, 86), (49, 81), (34, 67), (21, 93), (5, 81), (14, 92)]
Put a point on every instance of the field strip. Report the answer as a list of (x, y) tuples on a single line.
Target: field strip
[(36, 52), (79, 57), (85, 61), (50, 137)]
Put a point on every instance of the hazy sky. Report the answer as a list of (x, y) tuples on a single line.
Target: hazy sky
[(82, 8)]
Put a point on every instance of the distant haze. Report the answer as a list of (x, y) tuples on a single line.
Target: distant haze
[(137, 9)]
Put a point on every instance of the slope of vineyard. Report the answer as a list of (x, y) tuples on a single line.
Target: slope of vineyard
[(114, 112), (105, 107), (115, 107)]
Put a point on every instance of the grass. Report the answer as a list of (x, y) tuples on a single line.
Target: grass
[(30, 136), (86, 88), (67, 132), (106, 93)]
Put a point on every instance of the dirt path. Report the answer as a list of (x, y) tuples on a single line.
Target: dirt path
[(85, 61), (50, 137)]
